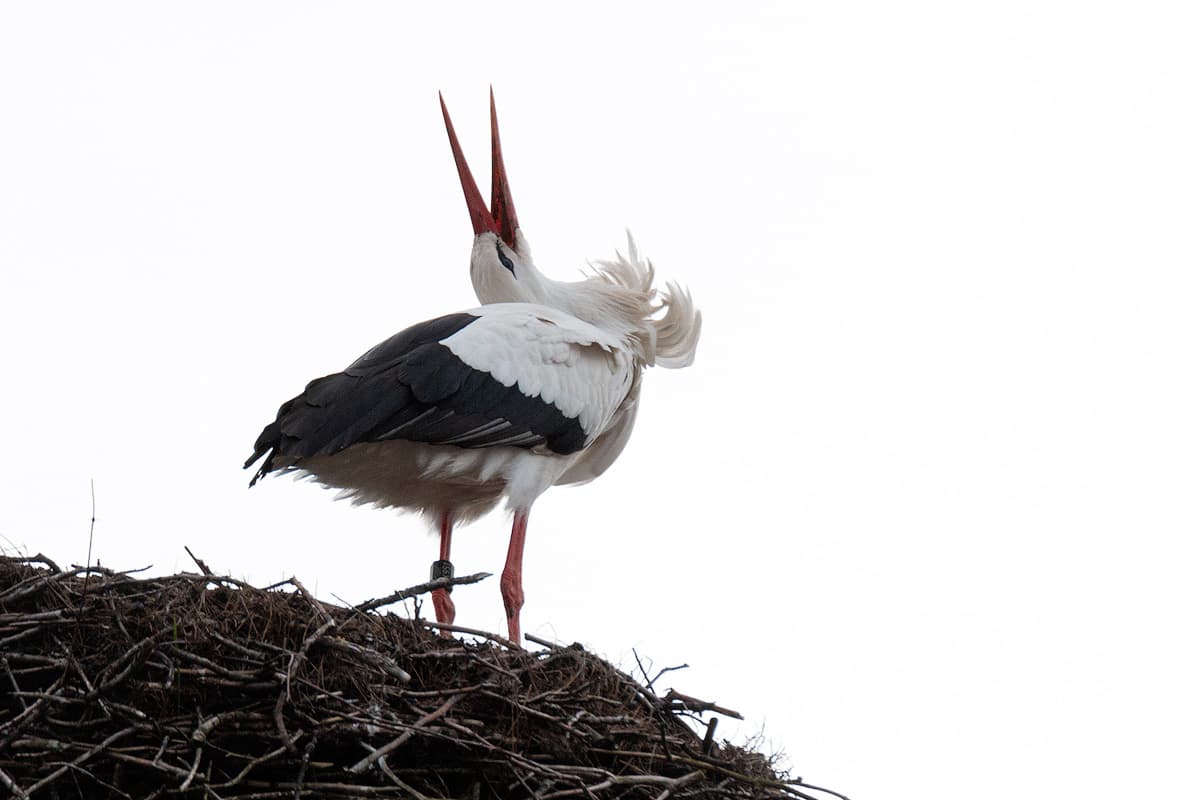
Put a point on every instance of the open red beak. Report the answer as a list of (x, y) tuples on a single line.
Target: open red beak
[(502, 219)]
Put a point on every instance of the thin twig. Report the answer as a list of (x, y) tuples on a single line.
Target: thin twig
[(91, 532), (708, 736), (199, 563), (80, 760), (8, 783), (664, 671), (421, 588), (304, 761), (494, 637), (391, 776), (374, 756), (192, 773), (695, 704), (820, 789), (679, 783), (543, 642)]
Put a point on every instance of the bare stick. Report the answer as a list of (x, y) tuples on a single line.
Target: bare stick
[(203, 567), (440, 711), (148, 764), (235, 780), (192, 773), (709, 765), (708, 736), (542, 642), (495, 637), (53, 776), (91, 533), (820, 789), (631, 780), (695, 704), (299, 657), (680, 782), (421, 588), (92, 527), (304, 761), (38, 558), (383, 765), (369, 656), (11, 785), (665, 670)]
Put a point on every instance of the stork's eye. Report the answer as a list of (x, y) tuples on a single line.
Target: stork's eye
[(505, 260)]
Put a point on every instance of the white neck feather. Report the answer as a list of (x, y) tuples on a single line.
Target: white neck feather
[(663, 326)]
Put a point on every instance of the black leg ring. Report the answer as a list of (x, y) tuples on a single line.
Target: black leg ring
[(441, 569)]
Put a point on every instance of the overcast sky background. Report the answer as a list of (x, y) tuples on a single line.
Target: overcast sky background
[(925, 507)]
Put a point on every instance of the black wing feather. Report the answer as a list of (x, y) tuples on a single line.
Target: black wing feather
[(414, 388)]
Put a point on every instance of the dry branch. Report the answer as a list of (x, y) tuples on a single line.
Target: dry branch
[(200, 686)]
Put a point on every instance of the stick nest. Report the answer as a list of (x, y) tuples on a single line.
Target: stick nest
[(199, 686)]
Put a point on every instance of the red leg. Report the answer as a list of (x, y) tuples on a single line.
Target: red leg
[(510, 578), (443, 606)]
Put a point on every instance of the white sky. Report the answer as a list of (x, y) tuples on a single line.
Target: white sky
[(925, 506)]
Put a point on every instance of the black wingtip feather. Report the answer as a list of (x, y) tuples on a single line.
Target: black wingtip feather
[(396, 382)]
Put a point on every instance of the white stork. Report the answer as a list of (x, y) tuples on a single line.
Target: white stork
[(537, 387)]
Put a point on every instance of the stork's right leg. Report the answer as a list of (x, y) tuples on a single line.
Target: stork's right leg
[(510, 578), (443, 606)]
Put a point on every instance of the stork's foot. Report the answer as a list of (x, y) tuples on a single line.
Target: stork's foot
[(514, 598), (443, 606)]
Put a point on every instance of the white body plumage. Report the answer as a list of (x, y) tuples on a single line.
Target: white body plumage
[(588, 373)]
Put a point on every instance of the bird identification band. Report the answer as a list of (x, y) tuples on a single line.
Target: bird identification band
[(441, 569)]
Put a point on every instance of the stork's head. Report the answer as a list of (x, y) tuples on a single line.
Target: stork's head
[(619, 298), (501, 267)]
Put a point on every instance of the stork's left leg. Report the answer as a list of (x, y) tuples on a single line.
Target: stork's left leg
[(443, 606), (510, 578)]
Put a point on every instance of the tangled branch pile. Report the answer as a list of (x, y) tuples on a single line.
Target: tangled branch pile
[(201, 686)]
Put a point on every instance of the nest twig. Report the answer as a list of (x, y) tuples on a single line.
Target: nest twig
[(200, 686)]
